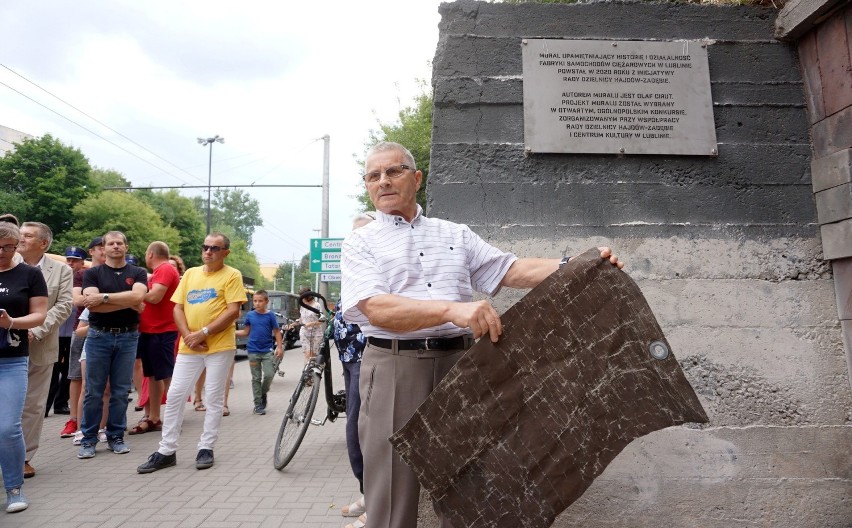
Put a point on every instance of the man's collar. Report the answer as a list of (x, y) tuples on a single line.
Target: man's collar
[(392, 219), (39, 264)]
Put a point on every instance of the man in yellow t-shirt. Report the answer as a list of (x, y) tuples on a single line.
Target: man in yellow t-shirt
[(207, 302)]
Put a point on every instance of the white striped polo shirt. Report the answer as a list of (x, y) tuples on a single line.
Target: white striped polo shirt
[(426, 259)]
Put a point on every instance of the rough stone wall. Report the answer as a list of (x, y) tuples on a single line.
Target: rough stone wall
[(726, 249)]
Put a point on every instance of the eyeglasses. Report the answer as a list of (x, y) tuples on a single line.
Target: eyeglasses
[(9, 248), (212, 249), (391, 172)]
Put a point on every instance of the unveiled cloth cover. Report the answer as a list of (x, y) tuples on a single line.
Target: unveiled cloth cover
[(517, 431)]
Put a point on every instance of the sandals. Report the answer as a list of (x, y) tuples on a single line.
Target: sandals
[(226, 411), (360, 522), (145, 425), (355, 509), (199, 406)]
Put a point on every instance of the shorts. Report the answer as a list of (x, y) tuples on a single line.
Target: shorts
[(157, 352), (74, 371)]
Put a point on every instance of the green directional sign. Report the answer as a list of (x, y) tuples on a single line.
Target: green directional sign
[(325, 255)]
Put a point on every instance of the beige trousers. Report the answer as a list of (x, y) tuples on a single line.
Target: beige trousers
[(38, 385), (392, 387)]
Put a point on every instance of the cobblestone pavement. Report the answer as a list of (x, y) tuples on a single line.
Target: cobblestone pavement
[(242, 489)]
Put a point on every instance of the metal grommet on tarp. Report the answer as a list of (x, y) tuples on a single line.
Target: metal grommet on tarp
[(659, 350)]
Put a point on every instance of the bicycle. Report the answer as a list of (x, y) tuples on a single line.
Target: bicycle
[(300, 411)]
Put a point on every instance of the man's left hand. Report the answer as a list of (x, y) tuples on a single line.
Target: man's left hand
[(606, 253)]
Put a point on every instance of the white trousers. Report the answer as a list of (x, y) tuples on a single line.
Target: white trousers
[(188, 368)]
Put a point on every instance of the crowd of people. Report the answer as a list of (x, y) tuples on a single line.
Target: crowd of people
[(71, 337), (406, 316)]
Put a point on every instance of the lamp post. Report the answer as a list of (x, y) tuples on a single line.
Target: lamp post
[(204, 142)]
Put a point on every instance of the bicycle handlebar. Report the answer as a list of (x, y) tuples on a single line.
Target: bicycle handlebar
[(307, 294)]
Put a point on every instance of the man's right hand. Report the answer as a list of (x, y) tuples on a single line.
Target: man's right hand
[(195, 340), (479, 316)]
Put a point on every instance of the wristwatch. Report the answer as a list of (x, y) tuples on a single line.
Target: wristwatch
[(106, 298), (205, 331), (564, 261)]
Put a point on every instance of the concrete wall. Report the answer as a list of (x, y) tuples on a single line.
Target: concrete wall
[(727, 250)]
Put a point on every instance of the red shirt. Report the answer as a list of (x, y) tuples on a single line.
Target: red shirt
[(159, 318)]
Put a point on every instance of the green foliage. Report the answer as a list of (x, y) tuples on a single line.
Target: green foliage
[(233, 208), (113, 210), (304, 278), (414, 132), (43, 180), (179, 212), (241, 257), (102, 178)]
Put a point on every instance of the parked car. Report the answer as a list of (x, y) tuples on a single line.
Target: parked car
[(285, 306)]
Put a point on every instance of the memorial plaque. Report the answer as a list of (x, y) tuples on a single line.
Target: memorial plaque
[(617, 97)]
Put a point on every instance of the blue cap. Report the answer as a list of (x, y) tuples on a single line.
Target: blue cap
[(75, 252), (131, 259), (97, 241)]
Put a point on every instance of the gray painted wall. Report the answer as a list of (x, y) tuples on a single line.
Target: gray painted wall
[(726, 250)]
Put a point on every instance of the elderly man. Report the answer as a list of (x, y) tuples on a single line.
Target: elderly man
[(408, 281), (111, 292), (44, 339), (207, 302)]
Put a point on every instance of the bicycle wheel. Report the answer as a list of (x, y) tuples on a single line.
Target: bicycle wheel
[(296, 419)]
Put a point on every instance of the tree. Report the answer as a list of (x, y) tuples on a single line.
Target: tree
[(414, 131), (44, 180), (242, 258), (102, 178), (233, 208), (118, 211), (304, 277), (180, 213)]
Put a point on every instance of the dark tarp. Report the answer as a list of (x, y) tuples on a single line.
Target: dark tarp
[(518, 430)]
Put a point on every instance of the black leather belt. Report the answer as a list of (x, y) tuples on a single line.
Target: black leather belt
[(115, 329), (432, 343)]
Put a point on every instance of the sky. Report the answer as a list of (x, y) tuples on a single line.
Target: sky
[(270, 77)]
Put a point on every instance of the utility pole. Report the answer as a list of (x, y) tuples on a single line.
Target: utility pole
[(204, 142), (323, 286), (293, 275)]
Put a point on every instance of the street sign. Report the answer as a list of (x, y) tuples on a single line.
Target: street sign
[(330, 277), (325, 255)]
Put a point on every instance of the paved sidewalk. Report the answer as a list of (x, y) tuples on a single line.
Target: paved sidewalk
[(242, 489)]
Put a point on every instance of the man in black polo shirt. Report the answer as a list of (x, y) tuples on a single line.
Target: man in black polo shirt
[(111, 292)]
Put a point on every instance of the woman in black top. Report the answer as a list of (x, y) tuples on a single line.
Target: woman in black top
[(23, 305)]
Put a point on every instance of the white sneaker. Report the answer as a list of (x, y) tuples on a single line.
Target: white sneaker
[(15, 501), (78, 437), (102, 436)]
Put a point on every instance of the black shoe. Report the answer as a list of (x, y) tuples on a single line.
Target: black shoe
[(204, 459), (157, 461), (61, 410)]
